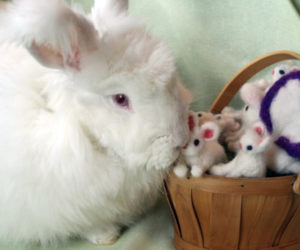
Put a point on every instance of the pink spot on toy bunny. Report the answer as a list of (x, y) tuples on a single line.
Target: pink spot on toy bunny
[(259, 130), (208, 133)]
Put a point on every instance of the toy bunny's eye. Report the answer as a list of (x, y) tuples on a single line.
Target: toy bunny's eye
[(281, 72), (218, 117), (249, 147), (246, 108), (199, 115), (196, 142), (121, 100)]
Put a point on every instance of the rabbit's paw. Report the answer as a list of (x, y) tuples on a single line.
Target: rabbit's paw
[(163, 153), (197, 171), (180, 171), (103, 237)]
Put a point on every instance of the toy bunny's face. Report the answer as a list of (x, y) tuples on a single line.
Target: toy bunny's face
[(249, 144), (255, 140), (195, 144), (282, 70), (209, 131)]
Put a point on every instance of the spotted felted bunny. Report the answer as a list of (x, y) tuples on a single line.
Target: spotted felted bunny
[(202, 151)]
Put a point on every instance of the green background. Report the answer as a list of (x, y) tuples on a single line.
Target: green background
[(211, 40)]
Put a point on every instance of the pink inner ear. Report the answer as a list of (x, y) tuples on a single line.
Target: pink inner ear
[(73, 61), (208, 133), (191, 123), (259, 130)]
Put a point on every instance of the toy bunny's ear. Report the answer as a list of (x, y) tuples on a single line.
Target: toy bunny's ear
[(210, 131), (54, 34), (251, 94), (259, 129), (191, 122)]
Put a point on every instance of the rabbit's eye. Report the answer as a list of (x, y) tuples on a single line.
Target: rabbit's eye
[(249, 147), (246, 108), (281, 72), (121, 100)]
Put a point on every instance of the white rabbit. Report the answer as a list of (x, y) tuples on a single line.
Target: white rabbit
[(202, 151), (88, 131), (249, 161)]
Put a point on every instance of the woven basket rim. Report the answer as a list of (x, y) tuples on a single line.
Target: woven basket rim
[(227, 185)]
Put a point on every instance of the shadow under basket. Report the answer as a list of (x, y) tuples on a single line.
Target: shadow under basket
[(219, 213)]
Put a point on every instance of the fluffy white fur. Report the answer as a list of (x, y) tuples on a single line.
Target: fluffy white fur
[(72, 161), (250, 161), (202, 151)]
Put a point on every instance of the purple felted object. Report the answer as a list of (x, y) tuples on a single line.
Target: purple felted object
[(292, 149)]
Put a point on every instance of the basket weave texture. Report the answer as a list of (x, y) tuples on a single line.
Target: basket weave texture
[(226, 213)]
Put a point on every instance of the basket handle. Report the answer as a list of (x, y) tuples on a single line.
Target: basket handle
[(236, 82)]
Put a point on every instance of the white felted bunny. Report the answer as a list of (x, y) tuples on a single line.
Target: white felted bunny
[(279, 111), (249, 162), (202, 151), (252, 94), (91, 118), (283, 69)]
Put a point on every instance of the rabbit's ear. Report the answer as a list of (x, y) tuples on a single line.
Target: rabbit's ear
[(210, 131), (54, 34), (109, 8)]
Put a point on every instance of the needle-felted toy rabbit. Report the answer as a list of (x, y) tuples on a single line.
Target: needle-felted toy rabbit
[(203, 149), (92, 115), (279, 111), (250, 160)]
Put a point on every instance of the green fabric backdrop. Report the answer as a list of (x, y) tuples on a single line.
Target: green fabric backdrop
[(211, 40)]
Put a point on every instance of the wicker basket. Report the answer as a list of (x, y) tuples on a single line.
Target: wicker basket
[(219, 213)]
